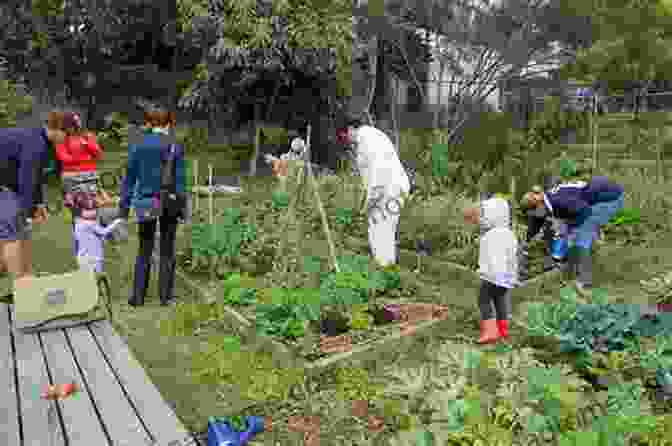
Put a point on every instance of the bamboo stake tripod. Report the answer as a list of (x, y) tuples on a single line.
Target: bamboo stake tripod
[(303, 176)]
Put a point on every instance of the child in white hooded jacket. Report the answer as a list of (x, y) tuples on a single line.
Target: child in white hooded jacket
[(498, 266)]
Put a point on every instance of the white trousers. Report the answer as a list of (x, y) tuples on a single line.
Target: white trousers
[(383, 224)]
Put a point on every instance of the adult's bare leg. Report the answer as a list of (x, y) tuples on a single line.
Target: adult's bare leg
[(17, 256)]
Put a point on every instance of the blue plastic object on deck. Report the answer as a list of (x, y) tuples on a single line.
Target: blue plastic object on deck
[(222, 433)]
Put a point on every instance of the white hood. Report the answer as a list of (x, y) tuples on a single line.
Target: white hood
[(378, 162), (498, 253), (495, 213)]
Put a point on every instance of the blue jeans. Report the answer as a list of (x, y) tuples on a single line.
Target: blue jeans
[(600, 215)]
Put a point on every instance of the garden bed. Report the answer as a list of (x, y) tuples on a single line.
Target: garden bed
[(369, 327)]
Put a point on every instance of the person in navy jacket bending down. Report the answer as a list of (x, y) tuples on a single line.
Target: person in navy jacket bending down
[(24, 157), (585, 206)]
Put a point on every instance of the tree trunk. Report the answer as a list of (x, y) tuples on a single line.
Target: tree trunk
[(381, 85), (363, 81), (256, 131)]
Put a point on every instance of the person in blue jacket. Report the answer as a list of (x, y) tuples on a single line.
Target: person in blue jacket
[(141, 191), (585, 207), (24, 159)]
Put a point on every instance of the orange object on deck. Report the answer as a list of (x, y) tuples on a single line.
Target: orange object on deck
[(60, 391)]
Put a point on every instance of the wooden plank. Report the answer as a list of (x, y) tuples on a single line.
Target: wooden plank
[(9, 409), (40, 418), (158, 417), (601, 147), (636, 163), (79, 415), (118, 415)]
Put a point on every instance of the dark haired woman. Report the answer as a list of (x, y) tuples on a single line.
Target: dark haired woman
[(142, 189)]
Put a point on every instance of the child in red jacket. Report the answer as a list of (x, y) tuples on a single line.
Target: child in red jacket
[(78, 156)]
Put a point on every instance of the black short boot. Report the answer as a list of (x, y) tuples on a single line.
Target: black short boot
[(167, 280), (143, 267)]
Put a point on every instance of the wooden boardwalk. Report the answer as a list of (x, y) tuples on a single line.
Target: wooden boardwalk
[(117, 404)]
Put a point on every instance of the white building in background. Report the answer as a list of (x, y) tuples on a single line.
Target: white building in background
[(438, 83), (438, 89)]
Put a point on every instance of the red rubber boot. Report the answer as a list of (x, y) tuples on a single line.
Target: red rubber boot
[(503, 326), (489, 332)]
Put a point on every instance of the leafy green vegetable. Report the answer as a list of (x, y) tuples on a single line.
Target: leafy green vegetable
[(425, 438), (456, 414), (584, 328), (312, 264), (280, 199), (568, 168), (354, 283), (344, 216), (224, 238), (288, 315), (440, 160), (239, 290), (626, 217)]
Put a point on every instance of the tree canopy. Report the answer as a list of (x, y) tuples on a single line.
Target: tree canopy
[(632, 44)]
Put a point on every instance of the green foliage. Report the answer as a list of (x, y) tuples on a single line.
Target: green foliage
[(239, 289), (599, 326), (187, 10), (486, 141), (546, 319), (547, 126), (188, 316), (355, 282), (224, 238), (254, 374), (345, 288), (567, 168), (359, 318), (312, 264), (275, 135), (355, 384), (658, 358), (194, 139), (624, 49), (46, 8), (440, 159), (280, 200), (626, 217), (344, 216), (116, 133), (287, 315), (12, 103)]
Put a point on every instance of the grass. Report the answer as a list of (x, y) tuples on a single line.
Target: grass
[(169, 357)]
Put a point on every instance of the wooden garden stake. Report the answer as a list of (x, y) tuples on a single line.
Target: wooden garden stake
[(289, 216), (302, 182), (323, 214), (659, 156), (595, 133), (196, 194), (210, 192)]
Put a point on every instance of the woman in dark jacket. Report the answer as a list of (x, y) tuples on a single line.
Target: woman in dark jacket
[(24, 156), (585, 206), (141, 190)]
